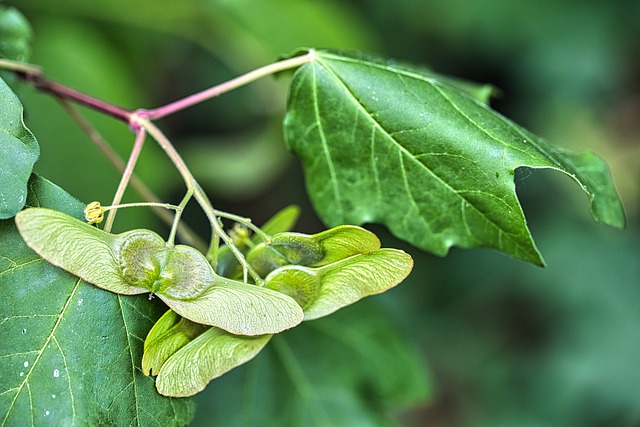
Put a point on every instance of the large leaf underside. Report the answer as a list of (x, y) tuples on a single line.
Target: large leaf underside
[(387, 144), (71, 352)]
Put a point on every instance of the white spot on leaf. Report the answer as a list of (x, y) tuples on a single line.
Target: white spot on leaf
[(56, 373), (26, 363)]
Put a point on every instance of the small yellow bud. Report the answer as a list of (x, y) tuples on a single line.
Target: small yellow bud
[(94, 213)]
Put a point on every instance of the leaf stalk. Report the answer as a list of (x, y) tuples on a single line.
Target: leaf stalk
[(227, 86)]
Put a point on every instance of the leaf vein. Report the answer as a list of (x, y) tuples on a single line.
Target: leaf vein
[(17, 266), (407, 188), (30, 403), (23, 353), (374, 166), (66, 369), (325, 147)]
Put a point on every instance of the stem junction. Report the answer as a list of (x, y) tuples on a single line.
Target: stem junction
[(140, 122)]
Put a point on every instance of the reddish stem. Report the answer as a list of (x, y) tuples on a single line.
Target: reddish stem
[(61, 91)]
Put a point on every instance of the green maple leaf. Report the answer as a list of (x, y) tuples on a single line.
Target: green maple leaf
[(423, 155)]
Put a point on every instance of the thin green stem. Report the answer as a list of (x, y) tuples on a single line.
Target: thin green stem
[(246, 222), (168, 206), (126, 176), (214, 246), (239, 81), (198, 193), (184, 232), (20, 67), (95, 137), (176, 219)]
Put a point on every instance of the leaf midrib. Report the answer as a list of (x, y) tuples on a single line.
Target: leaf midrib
[(325, 148)]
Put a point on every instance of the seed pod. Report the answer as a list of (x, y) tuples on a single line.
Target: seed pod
[(169, 334), (325, 247), (265, 258), (185, 355), (228, 266), (138, 261), (208, 356), (322, 290), (316, 250)]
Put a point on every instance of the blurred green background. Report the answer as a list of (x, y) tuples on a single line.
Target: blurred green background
[(494, 342)]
